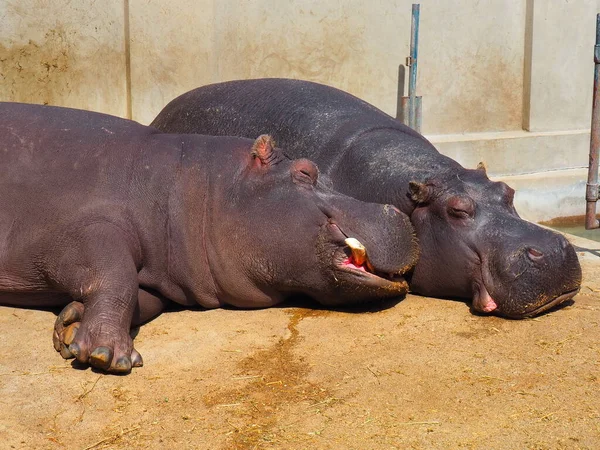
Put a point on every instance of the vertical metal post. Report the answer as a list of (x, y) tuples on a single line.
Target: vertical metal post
[(414, 54), (591, 192)]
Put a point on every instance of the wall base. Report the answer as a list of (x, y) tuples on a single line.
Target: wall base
[(547, 169)]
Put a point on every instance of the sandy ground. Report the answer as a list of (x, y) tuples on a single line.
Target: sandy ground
[(421, 374)]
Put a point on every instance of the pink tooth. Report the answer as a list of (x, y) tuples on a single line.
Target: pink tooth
[(490, 305), (487, 302)]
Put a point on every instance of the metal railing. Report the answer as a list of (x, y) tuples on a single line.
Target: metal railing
[(591, 192), (409, 108)]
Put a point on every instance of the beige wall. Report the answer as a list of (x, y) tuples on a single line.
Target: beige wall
[(471, 78), (171, 51), (471, 66), (486, 66), (63, 52), (200, 42), (506, 81), (561, 65)]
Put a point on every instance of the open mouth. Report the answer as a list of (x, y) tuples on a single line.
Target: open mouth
[(357, 260), (356, 256), (351, 257)]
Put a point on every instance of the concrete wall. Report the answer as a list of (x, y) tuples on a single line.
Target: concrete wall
[(504, 81), (471, 79), (561, 66), (64, 52)]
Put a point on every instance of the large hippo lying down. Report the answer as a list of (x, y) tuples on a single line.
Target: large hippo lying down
[(113, 219), (473, 243)]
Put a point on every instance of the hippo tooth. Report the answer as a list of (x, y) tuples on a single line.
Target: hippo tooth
[(359, 252)]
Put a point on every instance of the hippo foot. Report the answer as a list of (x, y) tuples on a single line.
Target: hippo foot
[(91, 343)]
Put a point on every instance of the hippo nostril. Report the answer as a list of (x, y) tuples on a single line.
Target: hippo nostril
[(534, 254)]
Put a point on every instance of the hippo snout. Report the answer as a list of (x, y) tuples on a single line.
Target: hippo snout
[(393, 247), (380, 235), (371, 247), (545, 275)]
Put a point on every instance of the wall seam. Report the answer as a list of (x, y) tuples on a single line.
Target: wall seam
[(127, 38)]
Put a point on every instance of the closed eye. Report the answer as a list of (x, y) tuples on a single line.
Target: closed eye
[(460, 213), (461, 207)]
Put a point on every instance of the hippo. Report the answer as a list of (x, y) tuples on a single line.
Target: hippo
[(473, 243), (115, 219)]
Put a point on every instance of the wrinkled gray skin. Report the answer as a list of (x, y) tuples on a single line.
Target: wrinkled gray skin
[(114, 219), (473, 243)]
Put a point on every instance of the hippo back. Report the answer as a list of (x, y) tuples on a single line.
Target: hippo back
[(308, 119)]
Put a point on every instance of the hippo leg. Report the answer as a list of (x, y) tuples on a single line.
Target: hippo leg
[(148, 307), (96, 268), (69, 320)]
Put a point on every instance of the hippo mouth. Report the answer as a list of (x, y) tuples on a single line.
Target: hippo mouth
[(357, 259), (352, 258), (551, 304), (484, 303), (356, 262)]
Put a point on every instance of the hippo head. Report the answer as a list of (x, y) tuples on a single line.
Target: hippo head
[(285, 231), (475, 245)]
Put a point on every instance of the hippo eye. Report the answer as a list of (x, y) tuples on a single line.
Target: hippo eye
[(460, 213), (461, 208)]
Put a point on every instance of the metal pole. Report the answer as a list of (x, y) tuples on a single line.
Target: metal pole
[(591, 192), (412, 81)]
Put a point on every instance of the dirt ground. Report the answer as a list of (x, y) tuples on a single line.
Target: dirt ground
[(422, 374)]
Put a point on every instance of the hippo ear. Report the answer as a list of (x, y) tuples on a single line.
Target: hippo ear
[(264, 150), (419, 192), (482, 166)]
